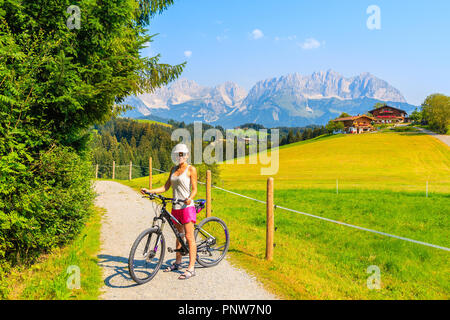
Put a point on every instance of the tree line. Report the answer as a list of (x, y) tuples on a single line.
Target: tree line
[(123, 140), (434, 112), (300, 134)]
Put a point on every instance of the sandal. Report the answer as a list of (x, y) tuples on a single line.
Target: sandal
[(186, 275), (173, 267)]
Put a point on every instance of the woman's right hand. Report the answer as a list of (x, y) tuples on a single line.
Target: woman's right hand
[(145, 191)]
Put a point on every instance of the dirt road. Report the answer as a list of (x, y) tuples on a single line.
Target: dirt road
[(127, 215)]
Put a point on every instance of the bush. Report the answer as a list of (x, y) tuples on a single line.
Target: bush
[(44, 206)]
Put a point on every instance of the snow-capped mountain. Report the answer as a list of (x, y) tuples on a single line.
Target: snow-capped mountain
[(325, 85), (185, 100), (291, 100)]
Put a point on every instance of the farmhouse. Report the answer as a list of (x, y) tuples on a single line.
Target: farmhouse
[(387, 114), (357, 124)]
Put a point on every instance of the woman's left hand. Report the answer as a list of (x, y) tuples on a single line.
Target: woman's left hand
[(188, 201)]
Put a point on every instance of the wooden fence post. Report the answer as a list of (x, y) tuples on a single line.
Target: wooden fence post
[(129, 175), (150, 173), (96, 171), (208, 193), (114, 170), (270, 220)]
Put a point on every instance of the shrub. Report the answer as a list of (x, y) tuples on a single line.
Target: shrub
[(44, 206)]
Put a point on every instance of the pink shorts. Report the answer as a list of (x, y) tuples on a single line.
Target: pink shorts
[(185, 215)]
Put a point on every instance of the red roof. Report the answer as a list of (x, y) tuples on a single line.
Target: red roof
[(386, 106), (353, 118), (389, 117)]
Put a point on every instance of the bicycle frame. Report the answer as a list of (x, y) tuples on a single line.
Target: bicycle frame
[(166, 216)]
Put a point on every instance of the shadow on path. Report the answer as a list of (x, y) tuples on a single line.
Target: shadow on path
[(120, 266), (120, 269)]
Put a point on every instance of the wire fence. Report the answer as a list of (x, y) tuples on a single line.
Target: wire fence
[(337, 222), (276, 206)]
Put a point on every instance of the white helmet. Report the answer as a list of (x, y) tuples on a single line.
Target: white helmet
[(181, 147)]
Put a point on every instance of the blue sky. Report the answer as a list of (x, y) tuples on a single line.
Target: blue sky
[(250, 40)]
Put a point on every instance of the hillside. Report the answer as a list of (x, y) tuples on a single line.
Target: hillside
[(398, 161)]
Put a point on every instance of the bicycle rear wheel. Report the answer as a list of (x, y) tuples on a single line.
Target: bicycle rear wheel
[(212, 239), (146, 255)]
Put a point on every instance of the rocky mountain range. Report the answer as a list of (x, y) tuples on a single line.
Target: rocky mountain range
[(291, 100)]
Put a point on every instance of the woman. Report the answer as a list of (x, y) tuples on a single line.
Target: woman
[(183, 179)]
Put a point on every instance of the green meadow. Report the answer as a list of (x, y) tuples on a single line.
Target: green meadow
[(315, 259), (383, 161)]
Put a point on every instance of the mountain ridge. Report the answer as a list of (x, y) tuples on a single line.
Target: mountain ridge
[(289, 100)]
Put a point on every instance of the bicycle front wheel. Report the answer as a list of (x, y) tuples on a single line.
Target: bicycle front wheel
[(146, 255), (212, 239)]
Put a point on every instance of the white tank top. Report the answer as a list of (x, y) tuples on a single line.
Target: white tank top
[(181, 186)]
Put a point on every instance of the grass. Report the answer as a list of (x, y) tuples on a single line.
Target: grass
[(314, 259), (375, 161), (155, 122), (47, 279), (382, 180)]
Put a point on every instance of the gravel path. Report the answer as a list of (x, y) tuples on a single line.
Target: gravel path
[(127, 215), (444, 138)]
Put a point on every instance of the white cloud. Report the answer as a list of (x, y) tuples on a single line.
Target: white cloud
[(257, 34), (188, 53), (310, 44)]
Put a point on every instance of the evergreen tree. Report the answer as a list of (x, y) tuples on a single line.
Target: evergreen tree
[(290, 137)]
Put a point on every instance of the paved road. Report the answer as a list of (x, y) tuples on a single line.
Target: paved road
[(127, 215), (444, 138)]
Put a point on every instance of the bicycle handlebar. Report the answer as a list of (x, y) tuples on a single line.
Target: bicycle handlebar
[(154, 195)]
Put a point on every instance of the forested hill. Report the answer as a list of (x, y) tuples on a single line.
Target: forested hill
[(123, 140)]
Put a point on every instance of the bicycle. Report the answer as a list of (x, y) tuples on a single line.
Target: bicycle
[(211, 236)]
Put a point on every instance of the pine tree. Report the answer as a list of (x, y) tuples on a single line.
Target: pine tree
[(290, 137)]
